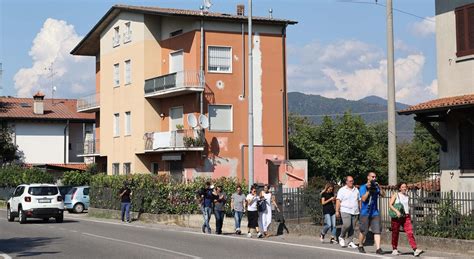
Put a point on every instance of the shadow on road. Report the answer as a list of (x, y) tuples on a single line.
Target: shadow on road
[(51, 221), (25, 246)]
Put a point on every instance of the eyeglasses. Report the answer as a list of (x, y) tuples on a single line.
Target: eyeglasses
[(373, 177), (351, 181)]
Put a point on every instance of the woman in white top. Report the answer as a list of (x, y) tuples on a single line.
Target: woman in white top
[(265, 217), (252, 213), (403, 218)]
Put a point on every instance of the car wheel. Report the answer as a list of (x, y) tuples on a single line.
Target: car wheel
[(78, 208), (59, 219), (9, 215), (22, 216)]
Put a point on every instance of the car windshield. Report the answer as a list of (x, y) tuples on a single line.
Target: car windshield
[(73, 190), (43, 190)]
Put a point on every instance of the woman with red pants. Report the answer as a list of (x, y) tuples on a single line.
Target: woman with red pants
[(402, 219)]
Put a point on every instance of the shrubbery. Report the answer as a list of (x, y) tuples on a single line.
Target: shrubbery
[(76, 178), (154, 194), (12, 176)]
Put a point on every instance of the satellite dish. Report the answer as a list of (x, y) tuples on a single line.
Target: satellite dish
[(192, 121), (203, 121)]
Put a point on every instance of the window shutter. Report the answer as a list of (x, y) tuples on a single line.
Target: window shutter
[(466, 143), (470, 27), (460, 28)]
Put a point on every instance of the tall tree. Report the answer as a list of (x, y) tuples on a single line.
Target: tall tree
[(8, 150)]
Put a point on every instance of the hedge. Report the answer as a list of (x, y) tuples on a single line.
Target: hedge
[(76, 178), (12, 176), (155, 194)]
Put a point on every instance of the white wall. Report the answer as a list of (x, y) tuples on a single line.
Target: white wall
[(40, 142), (76, 140)]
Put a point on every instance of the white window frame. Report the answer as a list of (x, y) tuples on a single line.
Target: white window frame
[(127, 34), (116, 37), (127, 171), (116, 124), (231, 118), (116, 75), (128, 123), (209, 62), (170, 119), (115, 168), (128, 71)]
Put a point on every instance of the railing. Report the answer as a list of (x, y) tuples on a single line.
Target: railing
[(89, 147), (88, 102), (177, 80), (174, 139)]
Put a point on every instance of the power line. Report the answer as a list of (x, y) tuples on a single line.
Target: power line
[(336, 114)]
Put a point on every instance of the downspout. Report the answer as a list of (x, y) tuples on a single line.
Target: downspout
[(65, 141), (201, 72), (242, 96), (285, 94)]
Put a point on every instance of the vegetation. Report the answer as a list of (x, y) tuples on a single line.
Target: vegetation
[(76, 178), (12, 176), (8, 150)]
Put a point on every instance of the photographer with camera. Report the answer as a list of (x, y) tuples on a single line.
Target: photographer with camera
[(369, 213)]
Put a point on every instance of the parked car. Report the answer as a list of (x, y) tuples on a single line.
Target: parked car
[(64, 190), (36, 201), (77, 199)]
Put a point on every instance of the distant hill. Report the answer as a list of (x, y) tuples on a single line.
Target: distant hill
[(373, 109)]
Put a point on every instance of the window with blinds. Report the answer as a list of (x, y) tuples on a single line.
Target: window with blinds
[(115, 168), (219, 59), (116, 75), (466, 143), (465, 30), (128, 123), (220, 117), (116, 125), (128, 72)]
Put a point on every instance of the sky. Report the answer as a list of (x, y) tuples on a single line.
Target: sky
[(337, 49)]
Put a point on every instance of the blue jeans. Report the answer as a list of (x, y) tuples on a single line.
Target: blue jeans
[(329, 223), (206, 213), (125, 210), (219, 220), (238, 219)]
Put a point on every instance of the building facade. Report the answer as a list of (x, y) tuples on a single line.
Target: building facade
[(172, 94)]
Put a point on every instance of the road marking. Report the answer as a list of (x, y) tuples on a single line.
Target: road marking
[(142, 245), (73, 231), (4, 255)]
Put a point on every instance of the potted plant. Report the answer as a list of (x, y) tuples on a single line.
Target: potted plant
[(188, 141), (179, 126)]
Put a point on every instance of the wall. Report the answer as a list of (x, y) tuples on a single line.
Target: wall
[(76, 138)]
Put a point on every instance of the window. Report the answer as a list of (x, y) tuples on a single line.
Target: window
[(126, 168), (176, 33), (220, 117), (116, 125), (220, 59), (466, 143), (465, 30), (116, 38), (127, 35), (116, 75), (85, 191), (128, 72), (154, 168), (128, 123), (115, 168)]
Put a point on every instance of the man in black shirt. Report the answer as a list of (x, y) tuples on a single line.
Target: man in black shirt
[(125, 194)]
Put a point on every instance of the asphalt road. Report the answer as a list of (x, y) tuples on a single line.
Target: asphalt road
[(82, 237)]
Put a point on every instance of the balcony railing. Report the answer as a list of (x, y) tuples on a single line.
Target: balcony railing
[(183, 140), (173, 84), (88, 148), (89, 103)]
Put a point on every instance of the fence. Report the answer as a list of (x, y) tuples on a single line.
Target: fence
[(299, 204), (6, 192)]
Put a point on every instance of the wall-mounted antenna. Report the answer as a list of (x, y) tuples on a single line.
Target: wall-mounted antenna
[(51, 75)]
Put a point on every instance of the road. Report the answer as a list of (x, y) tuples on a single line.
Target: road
[(82, 237)]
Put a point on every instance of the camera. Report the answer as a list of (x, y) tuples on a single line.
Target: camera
[(373, 186)]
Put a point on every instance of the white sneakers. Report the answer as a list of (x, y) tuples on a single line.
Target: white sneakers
[(352, 245), (417, 252), (321, 238), (259, 235), (249, 235), (395, 252), (342, 242)]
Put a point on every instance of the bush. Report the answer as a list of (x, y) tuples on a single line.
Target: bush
[(12, 176), (76, 178), (154, 194)]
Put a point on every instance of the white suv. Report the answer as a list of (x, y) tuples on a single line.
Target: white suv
[(36, 201)]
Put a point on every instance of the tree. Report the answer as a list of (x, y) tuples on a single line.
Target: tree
[(8, 150)]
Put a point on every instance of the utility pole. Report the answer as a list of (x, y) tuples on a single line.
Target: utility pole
[(392, 131), (250, 98)]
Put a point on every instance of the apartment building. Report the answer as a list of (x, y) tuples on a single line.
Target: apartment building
[(172, 94), (453, 110)]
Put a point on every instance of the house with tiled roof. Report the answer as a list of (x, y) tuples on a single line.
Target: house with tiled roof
[(453, 111), (47, 131)]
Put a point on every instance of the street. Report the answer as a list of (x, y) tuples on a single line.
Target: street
[(83, 237)]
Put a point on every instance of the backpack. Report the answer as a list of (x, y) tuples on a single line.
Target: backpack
[(262, 205)]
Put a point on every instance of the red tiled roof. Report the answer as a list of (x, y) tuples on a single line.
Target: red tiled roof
[(22, 108), (78, 166), (440, 104)]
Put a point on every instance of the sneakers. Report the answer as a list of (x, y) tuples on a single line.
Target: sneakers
[(259, 235), (361, 249), (238, 232), (333, 240), (321, 238), (417, 252), (395, 252), (249, 235), (379, 251), (352, 245), (342, 242)]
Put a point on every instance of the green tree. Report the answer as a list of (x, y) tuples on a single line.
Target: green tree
[(8, 150)]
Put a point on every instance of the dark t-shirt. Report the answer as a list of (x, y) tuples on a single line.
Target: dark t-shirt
[(126, 196), (328, 208), (207, 199)]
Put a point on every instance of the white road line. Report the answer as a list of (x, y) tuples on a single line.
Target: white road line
[(73, 231), (5, 256), (142, 245)]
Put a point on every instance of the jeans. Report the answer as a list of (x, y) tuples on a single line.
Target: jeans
[(349, 222), (407, 226), (329, 223), (219, 220), (238, 219), (206, 213), (125, 210)]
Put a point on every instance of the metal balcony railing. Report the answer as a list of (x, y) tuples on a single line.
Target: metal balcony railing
[(88, 147), (175, 81), (179, 139), (90, 102)]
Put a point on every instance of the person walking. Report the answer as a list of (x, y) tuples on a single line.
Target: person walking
[(347, 208), (125, 199), (237, 204), (329, 212), (369, 213), (403, 219), (265, 216), (220, 199), (252, 213), (206, 207)]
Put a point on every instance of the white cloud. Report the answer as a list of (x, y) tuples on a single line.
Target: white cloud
[(73, 74), (424, 27)]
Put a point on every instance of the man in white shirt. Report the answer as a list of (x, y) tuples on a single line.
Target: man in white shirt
[(347, 208)]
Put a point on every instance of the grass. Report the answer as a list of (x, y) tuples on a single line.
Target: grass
[(3, 204)]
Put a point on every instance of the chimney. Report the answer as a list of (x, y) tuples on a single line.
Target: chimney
[(38, 105), (241, 9)]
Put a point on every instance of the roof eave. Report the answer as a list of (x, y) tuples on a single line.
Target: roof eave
[(435, 109)]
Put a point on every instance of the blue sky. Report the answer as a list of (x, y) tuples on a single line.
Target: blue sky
[(337, 49)]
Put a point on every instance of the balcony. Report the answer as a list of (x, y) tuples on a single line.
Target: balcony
[(178, 140), (89, 103), (178, 83), (88, 148)]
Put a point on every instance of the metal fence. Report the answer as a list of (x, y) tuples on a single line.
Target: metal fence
[(298, 204), (6, 192)]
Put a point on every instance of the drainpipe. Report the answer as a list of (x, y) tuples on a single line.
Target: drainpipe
[(201, 68), (65, 141), (285, 105), (243, 61)]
